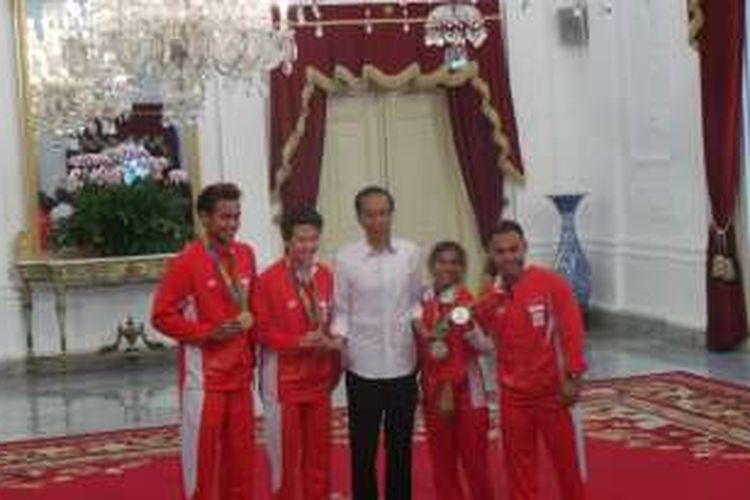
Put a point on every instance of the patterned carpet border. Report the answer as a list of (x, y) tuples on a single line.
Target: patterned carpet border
[(674, 410), (664, 411)]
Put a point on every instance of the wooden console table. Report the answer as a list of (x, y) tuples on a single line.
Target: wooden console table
[(63, 274)]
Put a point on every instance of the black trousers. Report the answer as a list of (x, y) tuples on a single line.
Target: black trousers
[(372, 402)]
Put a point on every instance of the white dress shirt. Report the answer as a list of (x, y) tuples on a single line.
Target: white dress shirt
[(375, 294)]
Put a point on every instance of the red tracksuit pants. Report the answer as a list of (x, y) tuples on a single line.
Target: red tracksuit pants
[(522, 423), (459, 441), (299, 448), (217, 444)]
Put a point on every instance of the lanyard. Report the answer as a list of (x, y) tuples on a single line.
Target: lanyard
[(309, 297), (228, 276), (443, 322)]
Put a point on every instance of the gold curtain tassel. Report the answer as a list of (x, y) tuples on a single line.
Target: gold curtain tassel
[(723, 268)]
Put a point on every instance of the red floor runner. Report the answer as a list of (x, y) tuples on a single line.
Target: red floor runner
[(616, 474), (660, 437)]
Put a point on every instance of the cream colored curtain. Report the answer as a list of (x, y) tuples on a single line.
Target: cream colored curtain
[(403, 142)]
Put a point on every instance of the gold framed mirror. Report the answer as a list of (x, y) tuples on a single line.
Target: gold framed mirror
[(48, 162)]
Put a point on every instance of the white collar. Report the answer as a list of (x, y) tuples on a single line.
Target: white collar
[(370, 251)]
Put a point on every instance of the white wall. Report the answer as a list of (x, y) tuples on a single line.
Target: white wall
[(618, 118), (234, 147), (666, 207)]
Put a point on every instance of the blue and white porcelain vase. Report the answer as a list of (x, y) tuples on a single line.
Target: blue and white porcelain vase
[(570, 260)]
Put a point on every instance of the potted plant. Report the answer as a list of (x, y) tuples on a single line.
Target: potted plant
[(122, 201)]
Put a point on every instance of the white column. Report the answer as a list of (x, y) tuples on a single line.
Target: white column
[(12, 218), (234, 147)]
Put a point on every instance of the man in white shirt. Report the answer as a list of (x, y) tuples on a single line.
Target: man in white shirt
[(377, 287)]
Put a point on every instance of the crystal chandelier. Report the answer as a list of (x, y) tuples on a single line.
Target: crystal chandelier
[(71, 78), (453, 26), (94, 58)]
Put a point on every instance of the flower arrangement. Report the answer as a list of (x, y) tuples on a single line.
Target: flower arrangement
[(121, 201)]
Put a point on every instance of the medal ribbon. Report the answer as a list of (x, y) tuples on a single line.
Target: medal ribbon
[(443, 323), (310, 299), (229, 277)]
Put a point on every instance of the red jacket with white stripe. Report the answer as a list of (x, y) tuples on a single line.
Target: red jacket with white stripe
[(465, 344), (289, 373), (538, 332), (461, 340), (191, 302)]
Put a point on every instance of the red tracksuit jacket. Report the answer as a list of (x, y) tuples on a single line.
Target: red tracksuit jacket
[(289, 373), (455, 367), (191, 301), (538, 331)]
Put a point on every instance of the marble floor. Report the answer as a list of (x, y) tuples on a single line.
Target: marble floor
[(145, 394)]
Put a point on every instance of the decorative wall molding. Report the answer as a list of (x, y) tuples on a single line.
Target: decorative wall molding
[(10, 295), (632, 247), (621, 251), (646, 249), (647, 47), (604, 315), (644, 314)]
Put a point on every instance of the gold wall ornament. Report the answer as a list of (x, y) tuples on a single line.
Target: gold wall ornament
[(695, 22), (131, 332)]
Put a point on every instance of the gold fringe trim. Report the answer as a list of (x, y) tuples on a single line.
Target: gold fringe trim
[(695, 22), (292, 143), (504, 161), (411, 76)]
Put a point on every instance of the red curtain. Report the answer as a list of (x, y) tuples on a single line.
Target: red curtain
[(297, 180), (481, 109), (720, 42), (477, 158)]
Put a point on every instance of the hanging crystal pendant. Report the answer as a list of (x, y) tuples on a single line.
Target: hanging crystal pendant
[(455, 26)]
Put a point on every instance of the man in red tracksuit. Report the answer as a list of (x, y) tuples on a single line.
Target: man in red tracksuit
[(538, 331), (203, 303), (454, 397), (300, 361)]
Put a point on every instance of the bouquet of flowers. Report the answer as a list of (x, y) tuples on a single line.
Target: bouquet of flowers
[(122, 201)]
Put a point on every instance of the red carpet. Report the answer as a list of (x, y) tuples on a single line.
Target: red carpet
[(666, 436)]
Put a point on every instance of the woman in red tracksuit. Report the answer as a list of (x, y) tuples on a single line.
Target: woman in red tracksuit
[(454, 404), (300, 362)]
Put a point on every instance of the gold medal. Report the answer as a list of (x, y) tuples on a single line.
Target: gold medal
[(246, 320), (237, 291)]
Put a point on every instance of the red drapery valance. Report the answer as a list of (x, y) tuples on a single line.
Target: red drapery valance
[(390, 57)]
